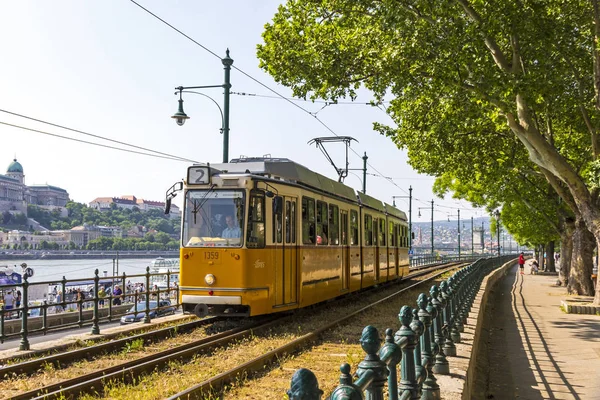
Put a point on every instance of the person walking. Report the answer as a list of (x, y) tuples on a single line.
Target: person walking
[(522, 263), (18, 302)]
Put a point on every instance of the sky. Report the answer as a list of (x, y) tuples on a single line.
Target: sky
[(109, 68)]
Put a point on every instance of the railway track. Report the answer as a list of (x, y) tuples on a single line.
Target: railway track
[(216, 384), (129, 371)]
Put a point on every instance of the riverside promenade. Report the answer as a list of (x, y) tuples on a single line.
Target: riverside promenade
[(534, 349)]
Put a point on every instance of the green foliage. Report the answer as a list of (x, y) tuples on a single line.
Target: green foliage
[(79, 214), (456, 73)]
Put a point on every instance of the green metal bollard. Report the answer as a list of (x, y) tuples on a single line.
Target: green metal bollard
[(418, 328), (147, 316), (454, 331), (391, 354), (95, 327), (305, 386), (1, 323), (430, 390), (449, 347), (24, 344), (441, 364), (45, 317), (372, 365), (64, 293), (406, 339)]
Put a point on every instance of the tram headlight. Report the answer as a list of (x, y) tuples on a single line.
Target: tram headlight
[(210, 279)]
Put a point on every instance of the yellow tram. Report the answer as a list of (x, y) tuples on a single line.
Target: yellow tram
[(263, 235)]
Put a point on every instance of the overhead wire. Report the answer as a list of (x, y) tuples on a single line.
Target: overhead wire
[(277, 94), (97, 136), (92, 143)]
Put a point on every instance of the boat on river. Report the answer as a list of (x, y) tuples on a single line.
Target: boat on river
[(162, 266)]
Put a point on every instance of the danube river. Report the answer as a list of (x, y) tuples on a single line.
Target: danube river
[(54, 270)]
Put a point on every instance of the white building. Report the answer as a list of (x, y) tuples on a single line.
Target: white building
[(15, 195), (105, 203)]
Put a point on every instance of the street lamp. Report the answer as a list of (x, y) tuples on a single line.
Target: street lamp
[(458, 215), (180, 116), (409, 213), (497, 215), (420, 208)]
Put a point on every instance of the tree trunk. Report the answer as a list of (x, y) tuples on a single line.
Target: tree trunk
[(581, 261), (566, 251), (541, 257), (551, 266)]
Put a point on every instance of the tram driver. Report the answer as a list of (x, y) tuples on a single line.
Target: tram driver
[(232, 231)]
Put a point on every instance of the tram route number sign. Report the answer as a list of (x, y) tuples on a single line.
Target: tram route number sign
[(198, 176)]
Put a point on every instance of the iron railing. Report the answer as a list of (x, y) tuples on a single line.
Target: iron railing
[(68, 308)]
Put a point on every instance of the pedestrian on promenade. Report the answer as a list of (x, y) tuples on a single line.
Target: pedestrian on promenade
[(521, 262), (117, 292), (101, 296), (18, 302)]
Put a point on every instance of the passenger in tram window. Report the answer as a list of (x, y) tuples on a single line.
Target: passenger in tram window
[(232, 231)]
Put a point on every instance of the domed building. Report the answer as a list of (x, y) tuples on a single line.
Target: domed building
[(15, 195)]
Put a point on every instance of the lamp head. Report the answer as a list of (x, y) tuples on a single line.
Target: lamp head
[(180, 116)]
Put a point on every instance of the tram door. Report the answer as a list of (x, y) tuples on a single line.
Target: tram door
[(376, 246), (286, 252), (345, 251)]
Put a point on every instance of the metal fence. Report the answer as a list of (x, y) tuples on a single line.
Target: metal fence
[(80, 302), (427, 335), (421, 260)]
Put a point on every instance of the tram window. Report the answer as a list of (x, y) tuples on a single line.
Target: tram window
[(322, 223), (392, 239), (288, 221), (404, 236), (308, 221), (256, 221), (334, 225), (381, 232), (292, 222), (368, 230), (277, 219), (353, 228)]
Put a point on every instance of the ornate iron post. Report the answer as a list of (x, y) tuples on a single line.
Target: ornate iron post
[(454, 332), (449, 347), (24, 344), (305, 386), (95, 327), (408, 340), (370, 343), (441, 364), (146, 319), (430, 389), (418, 328), (391, 351), (346, 390)]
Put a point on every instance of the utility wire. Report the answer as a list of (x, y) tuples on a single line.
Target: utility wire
[(98, 136), (329, 103), (279, 95), (92, 143)]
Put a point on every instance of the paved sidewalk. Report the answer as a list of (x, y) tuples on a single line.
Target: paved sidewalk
[(536, 351)]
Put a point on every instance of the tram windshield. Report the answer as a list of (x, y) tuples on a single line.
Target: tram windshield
[(213, 218)]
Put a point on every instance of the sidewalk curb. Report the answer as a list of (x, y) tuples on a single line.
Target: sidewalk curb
[(476, 319)]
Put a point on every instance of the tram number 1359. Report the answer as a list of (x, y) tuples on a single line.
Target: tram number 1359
[(211, 255)]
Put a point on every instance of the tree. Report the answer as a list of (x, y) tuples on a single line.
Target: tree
[(532, 68)]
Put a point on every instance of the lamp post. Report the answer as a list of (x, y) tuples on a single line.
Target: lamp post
[(497, 215), (472, 238), (409, 214), (419, 209), (180, 116), (458, 225)]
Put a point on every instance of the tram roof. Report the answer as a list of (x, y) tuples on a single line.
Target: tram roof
[(286, 170), (395, 212)]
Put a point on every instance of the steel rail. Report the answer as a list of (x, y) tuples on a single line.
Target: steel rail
[(216, 383), (95, 381), (127, 372), (61, 359)]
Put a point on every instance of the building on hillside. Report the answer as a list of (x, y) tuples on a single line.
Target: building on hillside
[(15, 195), (105, 203), (34, 241)]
